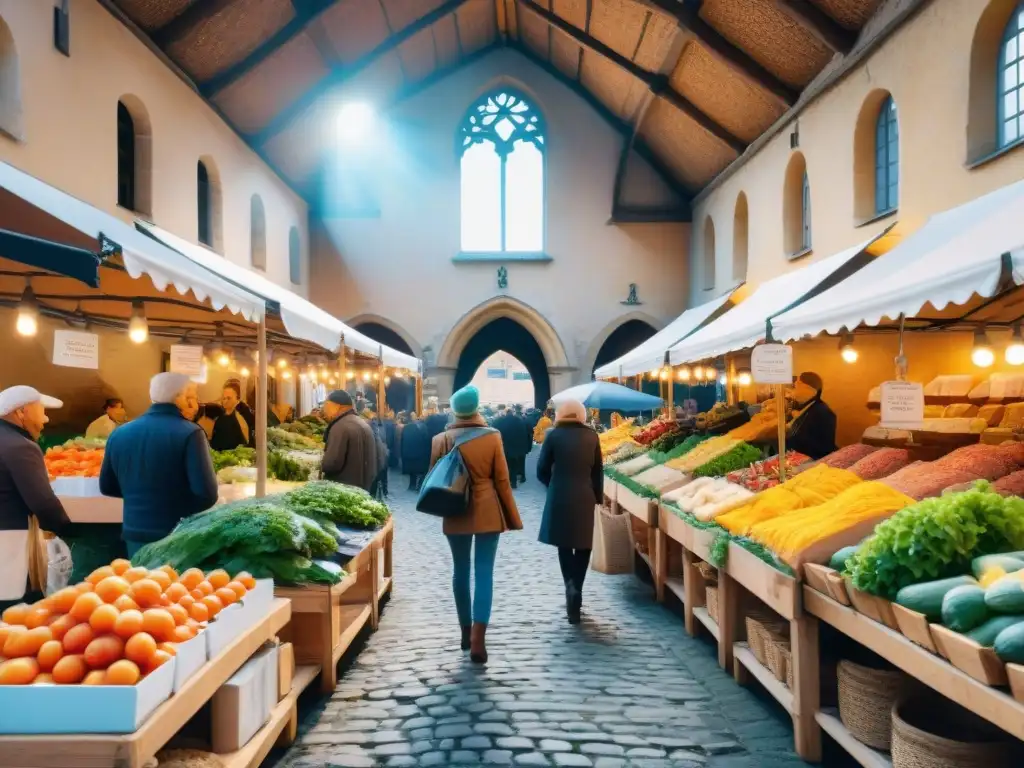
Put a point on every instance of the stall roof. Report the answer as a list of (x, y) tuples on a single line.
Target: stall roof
[(956, 254), (67, 260), (141, 255), (744, 325), (302, 319), (651, 354)]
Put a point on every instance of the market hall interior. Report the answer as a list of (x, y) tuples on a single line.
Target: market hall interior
[(445, 179)]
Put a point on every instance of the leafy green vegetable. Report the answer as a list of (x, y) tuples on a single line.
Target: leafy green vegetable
[(321, 543), (340, 504), (937, 538), (681, 449), (236, 457), (285, 468), (282, 439), (743, 455)]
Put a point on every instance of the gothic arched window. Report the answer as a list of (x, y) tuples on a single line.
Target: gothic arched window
[(501, 150)]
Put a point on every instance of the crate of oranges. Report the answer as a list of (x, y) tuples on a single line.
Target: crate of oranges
[(135, 633)]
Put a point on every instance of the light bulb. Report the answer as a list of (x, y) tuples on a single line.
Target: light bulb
[(312, 374), (332, 381), (138, 328), (27, 323), (684, 374), (287, 374), (1015, 352), (376, 377), (723, 379), (350, 375), (849, 354), (698, 373), (664, 375), (387, 380), (982, 355), (223, 359), (282, 363), (246, 373), (744, 379), (366, 376)]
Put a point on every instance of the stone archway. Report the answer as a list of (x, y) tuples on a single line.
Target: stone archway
[(505, 335), (619, 337), (400, 393)]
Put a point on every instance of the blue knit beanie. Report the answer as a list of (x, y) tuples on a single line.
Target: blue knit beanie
[(465, 402)]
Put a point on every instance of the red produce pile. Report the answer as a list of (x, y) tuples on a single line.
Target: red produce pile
[(1011, 485), (964, 465), (765, 474), (847, 456), (986, 461), (881, 463), (653, 431)]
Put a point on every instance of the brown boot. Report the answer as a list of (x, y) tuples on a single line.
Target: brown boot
[(477, 649)]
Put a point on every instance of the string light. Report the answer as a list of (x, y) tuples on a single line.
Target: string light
[(982, 354), (665, 374), (723, 378), (1015, 352), (138, 328), (27, 323), (245, 372), (287, 374), (846, 348), (684, 374), (743, 377), (350, 375), (366, 376)]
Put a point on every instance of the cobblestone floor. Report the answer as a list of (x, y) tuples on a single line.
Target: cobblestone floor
[(625, 688)]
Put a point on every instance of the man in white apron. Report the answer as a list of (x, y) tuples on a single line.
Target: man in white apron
[(24, 486)]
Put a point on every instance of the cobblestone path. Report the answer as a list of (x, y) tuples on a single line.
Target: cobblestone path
[(627, 687)]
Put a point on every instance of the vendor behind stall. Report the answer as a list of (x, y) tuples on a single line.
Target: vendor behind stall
[(232, 428), (812, 430), (114, 415), (160, 464)]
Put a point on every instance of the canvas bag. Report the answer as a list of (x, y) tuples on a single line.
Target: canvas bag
[(23, 561), (445, 490), (614, 552)]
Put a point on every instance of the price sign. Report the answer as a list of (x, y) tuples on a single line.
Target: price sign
[(187, 359), (772, 364), (74, 349), (902, 405)]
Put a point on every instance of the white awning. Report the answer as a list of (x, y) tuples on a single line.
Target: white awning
[(956, 254), (744, 325), (302, 319), (141, 255), (651, 354)]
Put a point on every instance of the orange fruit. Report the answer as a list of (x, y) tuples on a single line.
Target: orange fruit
[(16, 613), (171, 648), (134, 574), (158, 623), (64, 600), (100, 574), (69, 670), (120, 566), (213, 605), (205, 587), (176, 591), (26, 642), (183, 633), (112, 588), (18, 671), (51, 652), (78, 638), (43, 678), (169, 571), (247, 580), (218, 578), (128, 623), (158, 659), (238, 588), (85, 604), (96, 677), (146, 593), (84, 587), (193, 625), (179, 614), (37, 617), (60, 627), (199, 612), (191, 578), (125, 603), (197, 594), (187, 602), (123, 672), (104, 651), (140, 648), (226, 596), (160, 578), (103, 619)]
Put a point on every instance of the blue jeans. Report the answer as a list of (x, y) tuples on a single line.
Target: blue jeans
[(478, 607)]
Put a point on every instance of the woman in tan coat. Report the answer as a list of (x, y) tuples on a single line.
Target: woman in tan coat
[(492, 511)]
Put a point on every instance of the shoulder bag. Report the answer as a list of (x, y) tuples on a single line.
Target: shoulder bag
[(445, 490)]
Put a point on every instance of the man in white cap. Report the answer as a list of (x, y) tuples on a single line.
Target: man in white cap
[(160, 464), (24, 485)]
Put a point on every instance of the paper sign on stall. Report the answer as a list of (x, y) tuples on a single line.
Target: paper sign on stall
[(74, 349), (772, 364), (902, 405), (187, 359)]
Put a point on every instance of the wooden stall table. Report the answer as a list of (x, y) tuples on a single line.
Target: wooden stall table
[(644, 510), (133, 750)]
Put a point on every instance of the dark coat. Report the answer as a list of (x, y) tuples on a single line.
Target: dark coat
[(415, 448), (24, 484), (350, 451), (436, 424), (514, 436), (814, 431), (230, 431), (570, 466), (160, 465), (391, 440)]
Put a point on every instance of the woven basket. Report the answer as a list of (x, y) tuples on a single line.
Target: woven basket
[(712, 601), (708, 572), (866, 699), (778, 651), (787, 655), (976, 744), (761, 627)]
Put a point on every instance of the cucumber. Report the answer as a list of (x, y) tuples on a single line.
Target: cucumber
[(963, 608), (838, 561), (1009, 644), (1008, 564), (926, 598), (1005, 596), (986, 634)]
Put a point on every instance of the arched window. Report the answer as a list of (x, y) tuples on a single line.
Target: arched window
[(10, 84), (208, 199), (740, 238), (501, 150), (709, 254), (294, 257), (257, 233), (887, 158), (796, 207), (125, 158), (805, 213), (1010, 79), (134, 155)]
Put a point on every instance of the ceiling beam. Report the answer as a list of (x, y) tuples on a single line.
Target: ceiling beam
[(819, 24), (185, 22), (307, 12), (687, 17), (657, 83), (340, 75)]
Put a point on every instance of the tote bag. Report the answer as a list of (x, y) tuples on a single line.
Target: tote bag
[(445, 490), (613, 543)]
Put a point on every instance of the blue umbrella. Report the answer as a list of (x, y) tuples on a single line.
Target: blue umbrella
[(609, 397)]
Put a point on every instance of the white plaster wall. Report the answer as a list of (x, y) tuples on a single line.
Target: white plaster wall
[(69, 129), (399, 265)]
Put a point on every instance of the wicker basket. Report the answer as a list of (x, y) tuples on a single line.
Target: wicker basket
[(787, 655), (976, 743), (778, 652), (866, 699), (708, 572), (761, 627), (712, 601)]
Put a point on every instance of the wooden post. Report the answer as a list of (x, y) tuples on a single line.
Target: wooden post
[(729, 593), (419, 392), (342, 364), (261, 410), (381, 389), (807, 684), (693, 590), (780, 405)]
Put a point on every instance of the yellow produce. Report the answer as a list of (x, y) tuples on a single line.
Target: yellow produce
[(815, 486), (763, 425), (703, 453)]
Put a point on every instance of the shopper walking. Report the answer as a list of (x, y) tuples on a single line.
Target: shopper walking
[(512, 440), (491, 511), (571, 468), (415, 447), (350, 448)]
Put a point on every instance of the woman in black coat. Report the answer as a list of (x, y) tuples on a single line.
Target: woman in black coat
[(570, 466), (415, 451)]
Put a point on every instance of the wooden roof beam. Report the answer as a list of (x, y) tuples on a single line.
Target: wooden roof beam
[(185, 22), (819, 24), (306, 12), (340, 75), (687, 17), (657, 83)]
